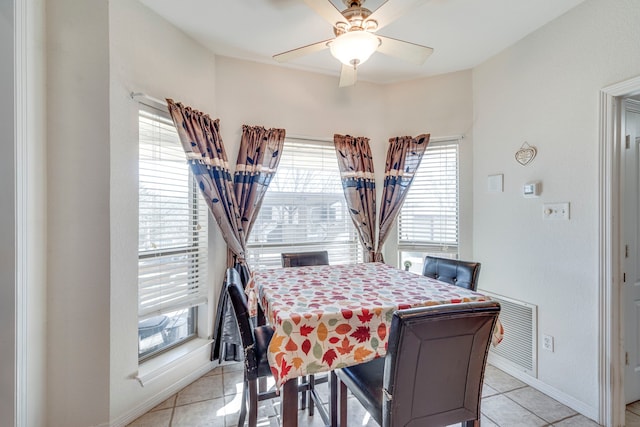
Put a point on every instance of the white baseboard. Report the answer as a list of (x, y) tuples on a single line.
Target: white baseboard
[(154, 401), (554, 393)]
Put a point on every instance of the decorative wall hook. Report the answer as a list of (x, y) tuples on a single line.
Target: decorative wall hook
[(526, 154)]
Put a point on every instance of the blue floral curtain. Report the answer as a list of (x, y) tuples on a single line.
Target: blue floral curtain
[(232, 204), (258, 159), (200, 137), (404, 155), (358, 182)]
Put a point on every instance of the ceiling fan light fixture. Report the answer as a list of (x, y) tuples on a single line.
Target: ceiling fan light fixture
[(354, 48)]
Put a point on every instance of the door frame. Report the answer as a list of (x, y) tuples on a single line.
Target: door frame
[(21, 31), (628, 105), (611, 351)]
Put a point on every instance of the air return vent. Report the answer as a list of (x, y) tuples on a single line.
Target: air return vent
[(518, 348)]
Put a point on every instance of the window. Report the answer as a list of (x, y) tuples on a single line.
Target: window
[(304, 209), (172, 238), (428, 220)]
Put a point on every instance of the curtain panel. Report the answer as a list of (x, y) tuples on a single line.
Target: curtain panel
[(202, 143), (404, 155), (233, 208), (359, 186), (258, 159)]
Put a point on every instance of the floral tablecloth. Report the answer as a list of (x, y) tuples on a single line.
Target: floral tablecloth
[(327, 317)]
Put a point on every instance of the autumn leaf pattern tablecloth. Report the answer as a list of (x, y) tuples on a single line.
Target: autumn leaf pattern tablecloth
[(327, 317)]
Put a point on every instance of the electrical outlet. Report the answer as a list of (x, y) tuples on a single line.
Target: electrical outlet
[(547, 342)]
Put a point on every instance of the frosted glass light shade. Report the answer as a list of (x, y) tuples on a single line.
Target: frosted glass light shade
[(354, 48)]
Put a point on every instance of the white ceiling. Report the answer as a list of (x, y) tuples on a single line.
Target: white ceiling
[(463, 33)]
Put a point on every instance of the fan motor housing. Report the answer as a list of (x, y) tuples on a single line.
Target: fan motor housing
[(357, 17)]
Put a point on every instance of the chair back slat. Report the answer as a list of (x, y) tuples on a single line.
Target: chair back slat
[(301, 259)]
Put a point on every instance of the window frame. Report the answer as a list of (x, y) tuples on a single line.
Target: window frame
[(440, 249), (195, 250), (341, 212)]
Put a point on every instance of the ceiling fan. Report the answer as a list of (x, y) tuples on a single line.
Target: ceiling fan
[(355, 39)]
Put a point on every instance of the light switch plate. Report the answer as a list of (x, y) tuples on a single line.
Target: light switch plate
[(555, 211), (495, 183)]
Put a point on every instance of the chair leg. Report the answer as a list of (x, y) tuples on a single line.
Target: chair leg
[(303, 395), (471, 423), (243, 404), (312, 385), (253, 403)]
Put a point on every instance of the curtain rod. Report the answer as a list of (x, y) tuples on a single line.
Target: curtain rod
[(445, 138), (309, 138), (325, 139), (139, 96)]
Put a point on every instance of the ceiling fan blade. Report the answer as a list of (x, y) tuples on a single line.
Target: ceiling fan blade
[(301, 51), (411, 52), (389, 11), (347, 76), (327, 10)]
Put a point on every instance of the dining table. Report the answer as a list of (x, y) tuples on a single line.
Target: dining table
[(330, 316)]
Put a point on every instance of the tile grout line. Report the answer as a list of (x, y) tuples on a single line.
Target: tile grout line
[(566, 418), (501, 393), (487, 417), (173, 409), (547, 423)]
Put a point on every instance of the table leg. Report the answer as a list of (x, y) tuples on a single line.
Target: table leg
[(290, 403), (333, 399), (342, 403)]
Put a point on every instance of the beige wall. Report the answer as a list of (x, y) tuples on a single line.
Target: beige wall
[(305, 104), (78, 162), (147, 55), (97, 56), (545, 90), (442, 106), (313, 105)]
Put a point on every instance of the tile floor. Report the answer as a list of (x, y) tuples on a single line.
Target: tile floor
[(214, 400)]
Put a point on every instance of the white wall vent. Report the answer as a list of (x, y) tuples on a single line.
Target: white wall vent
[(518, 348)]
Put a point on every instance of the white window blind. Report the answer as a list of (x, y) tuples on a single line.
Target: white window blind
[(304, 209), (172, 249), (428, 219)]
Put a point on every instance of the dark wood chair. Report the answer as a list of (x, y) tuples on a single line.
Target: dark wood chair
[(434, 368), (460, 273), (255, 343), (301, 259)]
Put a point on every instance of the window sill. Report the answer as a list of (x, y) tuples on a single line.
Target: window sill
[(151, 370)]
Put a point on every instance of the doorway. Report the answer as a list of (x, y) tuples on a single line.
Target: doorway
[(611, 357)]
